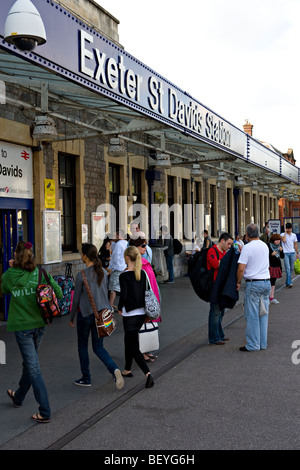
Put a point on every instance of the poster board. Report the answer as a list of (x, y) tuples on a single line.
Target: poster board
[(52, 251), (275, 226)]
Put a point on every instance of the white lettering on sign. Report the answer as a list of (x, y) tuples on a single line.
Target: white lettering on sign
[(108, 71), (159, 96)]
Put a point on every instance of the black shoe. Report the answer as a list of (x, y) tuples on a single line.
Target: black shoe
[(149, 381), (243, 348)]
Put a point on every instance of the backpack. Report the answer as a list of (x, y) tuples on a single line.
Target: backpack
[(177, 246), (46, 299), (202, 279)]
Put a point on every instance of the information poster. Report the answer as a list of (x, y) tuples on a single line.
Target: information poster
[(275, 226), (52, 237), (49, 194)]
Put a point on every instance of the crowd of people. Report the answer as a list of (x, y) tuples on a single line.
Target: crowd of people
[(122, 266)]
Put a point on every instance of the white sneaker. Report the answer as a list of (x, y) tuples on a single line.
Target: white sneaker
[(274, 301), (119, 381)]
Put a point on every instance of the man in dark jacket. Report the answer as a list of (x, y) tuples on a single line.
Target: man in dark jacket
[(214, 261), (169, 253)]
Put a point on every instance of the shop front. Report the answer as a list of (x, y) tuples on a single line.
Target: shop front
[(16, 205)]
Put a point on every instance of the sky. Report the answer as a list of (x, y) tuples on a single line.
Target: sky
[(239, 58)]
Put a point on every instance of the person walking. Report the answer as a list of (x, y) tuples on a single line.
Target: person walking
[(254, 267), (132, 308), (214, 256), (141, 245), (290, 249), (82, 308), (275, 256), (24, 318)]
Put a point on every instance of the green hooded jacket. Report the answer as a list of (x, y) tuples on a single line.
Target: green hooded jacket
[(24, 312)]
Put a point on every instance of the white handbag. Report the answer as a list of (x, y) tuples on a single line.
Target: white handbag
[(148, 337)]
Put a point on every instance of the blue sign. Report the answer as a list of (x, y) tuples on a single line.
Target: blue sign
[(81, 54)]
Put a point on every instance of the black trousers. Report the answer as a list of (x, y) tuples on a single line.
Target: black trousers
[(132, 326)]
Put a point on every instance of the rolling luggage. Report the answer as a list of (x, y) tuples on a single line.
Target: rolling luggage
[(66, 283)]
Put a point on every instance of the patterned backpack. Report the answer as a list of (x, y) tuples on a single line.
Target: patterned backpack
[(46, 299)]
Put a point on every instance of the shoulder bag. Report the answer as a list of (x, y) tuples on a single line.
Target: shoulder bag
[(104, 320), (152, 306)]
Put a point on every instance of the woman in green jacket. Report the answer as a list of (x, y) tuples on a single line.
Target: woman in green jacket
[(24, 318)]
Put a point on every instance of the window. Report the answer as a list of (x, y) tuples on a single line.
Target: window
[(114, 189), (136, 185), (67, 201)]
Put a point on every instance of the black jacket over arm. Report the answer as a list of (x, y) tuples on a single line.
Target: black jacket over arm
[(224, 291)]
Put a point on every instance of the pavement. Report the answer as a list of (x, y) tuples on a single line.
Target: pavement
[(205, 397)]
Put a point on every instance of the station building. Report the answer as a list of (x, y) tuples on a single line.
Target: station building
[(85, 126)]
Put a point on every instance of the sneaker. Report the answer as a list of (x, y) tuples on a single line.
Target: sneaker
[(169, 282), (82, 382), (274, 301), (119, 381)]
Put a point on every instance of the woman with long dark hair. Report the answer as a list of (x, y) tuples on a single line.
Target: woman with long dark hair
[(97, 280), (24, 318), (132, 308)]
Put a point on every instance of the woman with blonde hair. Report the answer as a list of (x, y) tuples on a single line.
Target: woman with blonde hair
[(132, 308)]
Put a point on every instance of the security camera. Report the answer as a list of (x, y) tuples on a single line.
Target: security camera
[(24, 27)]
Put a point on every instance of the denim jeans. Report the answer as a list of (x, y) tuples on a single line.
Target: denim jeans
[(29, 342), (256, 325), (85, 326), (215, 318), (289, 261), (169, 260)]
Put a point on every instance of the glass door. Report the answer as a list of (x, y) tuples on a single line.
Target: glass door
[(15, 225)]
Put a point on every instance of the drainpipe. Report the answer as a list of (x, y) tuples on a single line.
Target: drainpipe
[(236, 193)]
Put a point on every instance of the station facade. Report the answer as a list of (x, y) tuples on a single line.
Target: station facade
[(75, 139)]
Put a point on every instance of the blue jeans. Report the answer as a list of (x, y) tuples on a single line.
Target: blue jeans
[(289, 261), (256, 325), (169, 260), (215, 318), (85, 326), (29, 342)]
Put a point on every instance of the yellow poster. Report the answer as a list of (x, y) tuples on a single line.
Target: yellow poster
[(49, 194)]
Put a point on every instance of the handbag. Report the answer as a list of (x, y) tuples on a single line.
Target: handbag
[(148, 337), (297, 266), (104, 320), (152, 306)]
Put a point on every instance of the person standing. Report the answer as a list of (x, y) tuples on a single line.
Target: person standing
[(207, 243), (290, 250), (214, 256), (117, 266), (275, 255), (82, 308), (132, 308), (169, 253), (24, 318), (254, 267)]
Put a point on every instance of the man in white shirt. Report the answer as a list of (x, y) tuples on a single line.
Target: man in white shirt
[(254, 267), (290, 250), (117, 266)]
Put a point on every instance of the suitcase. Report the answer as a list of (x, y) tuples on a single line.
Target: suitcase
[(66, 283)]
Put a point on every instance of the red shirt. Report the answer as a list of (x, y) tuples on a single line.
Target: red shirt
[(213, 261)]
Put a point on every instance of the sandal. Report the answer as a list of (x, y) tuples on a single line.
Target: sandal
[(11, 395), (39, 419), (150, 357)]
